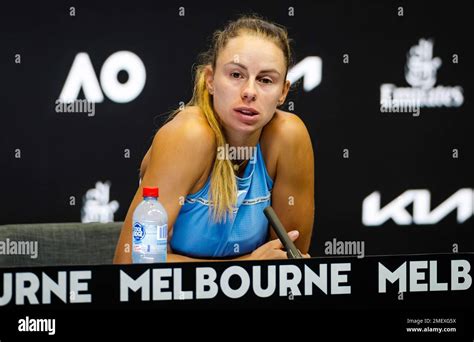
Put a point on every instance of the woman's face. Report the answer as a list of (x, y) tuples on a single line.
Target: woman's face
[(248, 83)]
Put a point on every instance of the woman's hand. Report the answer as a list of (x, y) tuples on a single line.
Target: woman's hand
[(273, 249)]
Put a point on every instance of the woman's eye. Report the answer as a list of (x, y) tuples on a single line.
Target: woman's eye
[(267, 80), (235, 74)]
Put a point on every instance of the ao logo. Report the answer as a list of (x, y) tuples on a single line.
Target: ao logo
[(82, 75)]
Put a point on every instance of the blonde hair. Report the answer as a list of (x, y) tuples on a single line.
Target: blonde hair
[(223, 190)]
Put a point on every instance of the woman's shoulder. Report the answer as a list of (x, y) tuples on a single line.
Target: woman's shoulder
[(187, 129), (187, 132), (285, 122), (279, 136), (189, 123), (283, 129)]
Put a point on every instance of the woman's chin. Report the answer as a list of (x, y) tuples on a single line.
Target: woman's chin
[(246, 123), (245, 128)]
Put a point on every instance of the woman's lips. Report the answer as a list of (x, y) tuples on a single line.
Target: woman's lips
[(246, 110), (246, 117)]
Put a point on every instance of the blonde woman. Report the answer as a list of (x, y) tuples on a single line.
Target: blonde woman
[(215, 199)]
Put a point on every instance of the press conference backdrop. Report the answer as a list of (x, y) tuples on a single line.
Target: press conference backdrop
[(384, 88)]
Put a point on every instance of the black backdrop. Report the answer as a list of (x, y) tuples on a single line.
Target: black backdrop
[(49, 160)]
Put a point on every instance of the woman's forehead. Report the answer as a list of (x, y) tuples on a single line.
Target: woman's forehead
[(252, 52)]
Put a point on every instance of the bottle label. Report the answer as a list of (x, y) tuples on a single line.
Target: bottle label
[(149, 231), (150, 242), (162, 232), (138, 232)]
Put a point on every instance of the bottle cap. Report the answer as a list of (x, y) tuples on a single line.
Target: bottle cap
[(150, 192)]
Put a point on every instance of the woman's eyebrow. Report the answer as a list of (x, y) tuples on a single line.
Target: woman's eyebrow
[(245, 68)]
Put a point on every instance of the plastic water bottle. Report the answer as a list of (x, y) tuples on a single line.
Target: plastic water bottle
[(150, 230)]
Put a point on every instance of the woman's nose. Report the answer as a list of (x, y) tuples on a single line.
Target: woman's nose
[(249, 93)]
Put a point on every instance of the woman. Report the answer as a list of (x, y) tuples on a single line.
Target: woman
[(215, 200)]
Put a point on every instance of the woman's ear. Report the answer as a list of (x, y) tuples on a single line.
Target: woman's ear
[(209, 76), (284, 93)]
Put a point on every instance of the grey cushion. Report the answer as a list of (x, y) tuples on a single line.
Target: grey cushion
[(60, 243)]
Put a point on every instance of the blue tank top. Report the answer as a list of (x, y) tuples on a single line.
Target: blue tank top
[(196, 235)]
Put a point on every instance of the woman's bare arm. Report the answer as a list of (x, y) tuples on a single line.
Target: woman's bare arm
[(179, 155), (293, 189)]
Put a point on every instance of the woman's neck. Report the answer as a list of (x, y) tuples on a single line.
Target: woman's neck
[(239, 140)]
